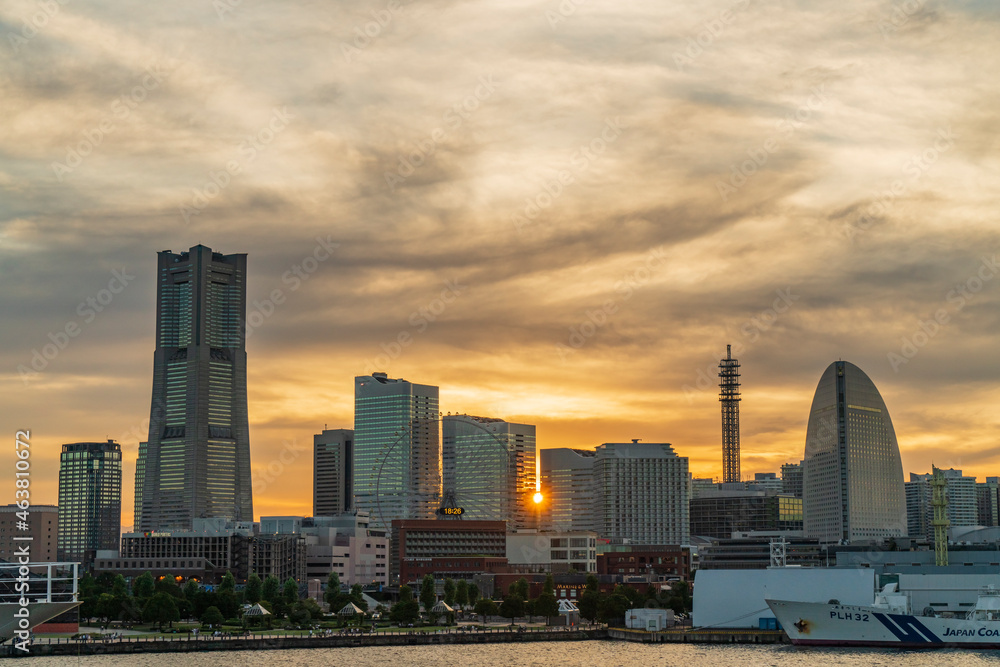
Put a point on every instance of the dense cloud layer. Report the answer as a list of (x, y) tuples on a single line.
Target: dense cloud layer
[(606, 194)]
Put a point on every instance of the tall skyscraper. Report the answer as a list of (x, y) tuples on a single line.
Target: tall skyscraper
[(397, 449), (197, 462), (961, 509), (489, 468), (333, 472), (641, 493), (140, 480), (729, 396), (567, 485), (853, 477), (90, 500)]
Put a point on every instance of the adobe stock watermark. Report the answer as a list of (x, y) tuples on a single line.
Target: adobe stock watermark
[(420, 320), (956, 299), (625, 288), (898, 17), (31, 25), (259, 311), (915, 167), (751, 331), (366, 33), (705, 38), (741, 173), (247, 152), (563, 11), (120, 110), (579, 162), (453, 119), (87, 310)]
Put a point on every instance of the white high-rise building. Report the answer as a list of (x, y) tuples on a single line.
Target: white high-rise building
[(488, 469), (853, 476), (641, 493), (567, 486), (960, 493)]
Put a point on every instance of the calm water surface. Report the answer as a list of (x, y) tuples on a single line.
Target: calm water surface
[(536, 654)]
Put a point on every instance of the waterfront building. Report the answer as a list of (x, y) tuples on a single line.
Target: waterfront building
[(567, 486), (853, 477), (397, 449), (488, 469), (720, 513), (653, 562), (641, 493), (209, 549), (552, 551), (791, 479), (415, 540), (333, 472), (344, 543), (988, 502), (197, 456), (43, 531), (90, 500), (960, 492)]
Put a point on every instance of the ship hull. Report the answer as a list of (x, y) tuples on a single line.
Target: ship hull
[(822, 624)]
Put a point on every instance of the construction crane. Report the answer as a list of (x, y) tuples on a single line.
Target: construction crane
[(939, 501)]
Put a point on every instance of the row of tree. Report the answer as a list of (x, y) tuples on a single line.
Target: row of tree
[(517, 603), (109, 598)]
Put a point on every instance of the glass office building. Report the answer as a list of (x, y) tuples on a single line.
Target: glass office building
[(90, 500), (489, 469), (853, 476), (196, 462), (397, 449)]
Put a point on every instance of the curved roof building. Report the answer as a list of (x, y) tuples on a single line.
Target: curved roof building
[(853, 478)]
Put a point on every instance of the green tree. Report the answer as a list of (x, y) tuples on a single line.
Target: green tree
[(161, 609), (131, 611), (302, 611), (406, 610), (521, 588), (428, 596), (593, 584), (168, 584), (588, 604), (449, 592), (546, 605), (272, 588), (462, 593), (611, 609), (211, 617), (512, 607), (107, 607), (550, 584), (473, 594), (332, 593), (290, 591), (357, 597), (144, 587), (252, 592), (119, 588), (191, 590), (486, 607), (228, 584), (634, 597)]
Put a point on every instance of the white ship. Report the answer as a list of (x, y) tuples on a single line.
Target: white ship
[(888, 622)]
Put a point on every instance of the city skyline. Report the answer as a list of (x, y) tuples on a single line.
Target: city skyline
[(542, 213)]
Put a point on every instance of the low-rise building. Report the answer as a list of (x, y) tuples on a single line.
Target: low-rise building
[(552, 551), (433, 538), (42, 528)]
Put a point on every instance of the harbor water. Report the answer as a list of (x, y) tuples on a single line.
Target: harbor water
[(542, 654)]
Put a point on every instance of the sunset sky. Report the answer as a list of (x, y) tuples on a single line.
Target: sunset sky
[(565, 210)]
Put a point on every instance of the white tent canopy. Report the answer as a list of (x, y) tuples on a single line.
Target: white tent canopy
[(350, 609), (256, 610), (441, 608)]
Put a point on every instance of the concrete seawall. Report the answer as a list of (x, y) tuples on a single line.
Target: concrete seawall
[(273, 643), (698, 636)]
